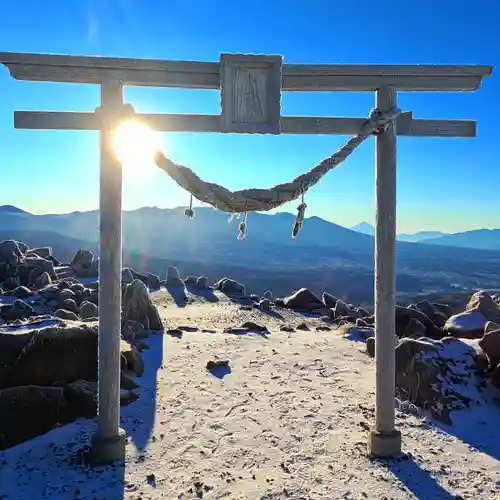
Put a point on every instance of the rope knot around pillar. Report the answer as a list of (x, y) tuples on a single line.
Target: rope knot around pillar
[(381, 120)]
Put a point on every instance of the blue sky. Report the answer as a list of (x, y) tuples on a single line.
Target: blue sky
[(447, 184)]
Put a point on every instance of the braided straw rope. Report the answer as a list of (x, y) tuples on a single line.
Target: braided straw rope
[(253, 200)]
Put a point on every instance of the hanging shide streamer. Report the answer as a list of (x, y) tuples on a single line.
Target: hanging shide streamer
[(189, 212)]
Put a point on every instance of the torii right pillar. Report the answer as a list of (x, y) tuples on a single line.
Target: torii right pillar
[(384, 439)]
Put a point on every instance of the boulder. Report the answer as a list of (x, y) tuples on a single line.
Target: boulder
[(190, 280), (42, 280), (132, 330), (444, 309), (17, 310), (82, 261), (65, 314), (303, 300), (230, 287), (69, 305), (131, 358), (415, 329), (370, 346), (490, 344), (10, 252), (436, 316), (342, 309), (22, 292), (264, 305), (55, 354), (11, 283), (482, 302), (269, 295), (153, 281), (404, 316), (329, 300), (127, 276), (490, 326), (174, 277), (44, 252), (438, 376), (201, 283), (137, 306), (88, 310), (468, 325)]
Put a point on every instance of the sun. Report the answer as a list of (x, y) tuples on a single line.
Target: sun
[(135, 144)]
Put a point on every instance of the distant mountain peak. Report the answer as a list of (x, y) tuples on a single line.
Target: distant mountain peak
[(11, 209), (364, 227)]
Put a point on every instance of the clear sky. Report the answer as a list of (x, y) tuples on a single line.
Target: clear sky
[(446, 184)]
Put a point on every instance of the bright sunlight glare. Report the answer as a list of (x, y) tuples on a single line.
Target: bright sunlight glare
[(135, 144)]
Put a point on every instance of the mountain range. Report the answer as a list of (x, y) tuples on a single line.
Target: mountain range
[(324, 256), (482, 239)]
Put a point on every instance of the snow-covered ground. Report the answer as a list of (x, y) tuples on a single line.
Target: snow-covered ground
[(289, 420)]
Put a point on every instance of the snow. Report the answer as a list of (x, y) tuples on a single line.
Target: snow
[(289, 421)]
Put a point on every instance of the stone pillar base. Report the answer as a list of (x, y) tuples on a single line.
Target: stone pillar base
[(108, 450), (384, 444)]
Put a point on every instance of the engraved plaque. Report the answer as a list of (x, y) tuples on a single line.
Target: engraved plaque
[(250, 93)]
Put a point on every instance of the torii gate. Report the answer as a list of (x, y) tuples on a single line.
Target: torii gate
[(251, 87)]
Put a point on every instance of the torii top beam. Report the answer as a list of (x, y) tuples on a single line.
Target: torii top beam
[(206, 75)]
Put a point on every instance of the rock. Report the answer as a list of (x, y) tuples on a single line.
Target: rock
[(132, 330), (469, 325), (137, 306), (490, 326), (370, 346), (255, 327), (437, 317), (82, 261), (490, 344), (174, 277), (341, 309), (127, 380), (27, 412), (415, 329), (127, 276), (230, 287), (70, 305), (11, 283), (33, 266), (190, 280), (444, 308), (404, 316), (88, 310), (65, 314), (483, 303), (440, 376), (17, 310), (132, 358), (286, 328), (264, 305), (303, 300), (329, 300), (43, 252), (42, 280), (153, 281), (10, 252), (361, 322), (302, 326), (22, 292), (55, 354), (175, 332), (269, 295), (202, 283), (495, 377)]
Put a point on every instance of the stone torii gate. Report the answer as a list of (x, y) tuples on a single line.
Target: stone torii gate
[(251, 87)]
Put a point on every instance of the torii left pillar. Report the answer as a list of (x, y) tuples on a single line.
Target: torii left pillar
[(108, 444)]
